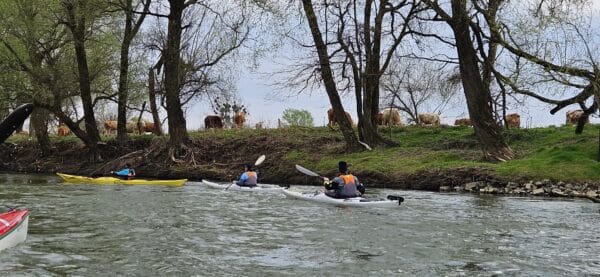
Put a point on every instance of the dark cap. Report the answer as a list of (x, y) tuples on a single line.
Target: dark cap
[(127, 165), (343, 167), (248, 166)]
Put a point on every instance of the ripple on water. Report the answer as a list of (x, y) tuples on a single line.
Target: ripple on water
[(193, 230)]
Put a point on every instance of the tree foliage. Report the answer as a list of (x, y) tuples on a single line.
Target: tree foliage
[(295, 117)]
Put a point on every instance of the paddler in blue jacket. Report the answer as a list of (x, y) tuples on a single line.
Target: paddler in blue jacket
[(345, 185), (249, 178), (126, 173)]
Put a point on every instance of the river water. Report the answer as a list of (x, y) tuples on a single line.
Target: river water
[(91, 230)]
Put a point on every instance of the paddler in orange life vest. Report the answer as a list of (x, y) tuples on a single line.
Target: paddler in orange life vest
[(345, 185), (249, 178)]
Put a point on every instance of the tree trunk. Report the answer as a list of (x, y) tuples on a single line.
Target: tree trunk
[(329, 82), (123, 83), (370, 108), (478, 97), (39, 125), (152, 98), (78, 29), (177, 126), (131, 29), (359, 100)]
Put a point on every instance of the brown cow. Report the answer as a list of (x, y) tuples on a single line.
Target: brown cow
[(463, 122), (109, 126), (391, 116), (147, 126), (213, 122), (131, 127), (332, 119), (429, 119), (513, 120), (239, 118), (63, 130), (573, 117)]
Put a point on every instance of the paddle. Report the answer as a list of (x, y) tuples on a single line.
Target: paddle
[(258, 162), (309, 172)]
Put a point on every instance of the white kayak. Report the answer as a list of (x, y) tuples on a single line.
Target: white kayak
[(321, 197), (233, 186)]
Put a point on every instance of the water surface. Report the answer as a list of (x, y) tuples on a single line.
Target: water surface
[(193, 230)]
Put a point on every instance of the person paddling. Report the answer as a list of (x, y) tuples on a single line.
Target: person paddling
[(126, 173), (249, 178), (345, 185)]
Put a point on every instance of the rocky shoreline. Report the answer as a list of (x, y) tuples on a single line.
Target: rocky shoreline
[(538, 188)]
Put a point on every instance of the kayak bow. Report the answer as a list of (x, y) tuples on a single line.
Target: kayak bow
[(13, 228)]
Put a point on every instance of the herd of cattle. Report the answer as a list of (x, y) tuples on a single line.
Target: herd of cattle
[(110, 127), (387, 117)]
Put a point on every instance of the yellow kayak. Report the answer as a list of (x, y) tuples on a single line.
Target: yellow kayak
[(116, 181)]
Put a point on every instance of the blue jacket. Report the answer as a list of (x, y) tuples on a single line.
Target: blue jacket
[(125, 172), (248, 178)]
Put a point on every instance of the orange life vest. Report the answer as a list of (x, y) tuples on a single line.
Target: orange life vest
[(349, 188)]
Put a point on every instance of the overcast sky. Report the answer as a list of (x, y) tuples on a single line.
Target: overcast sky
[(259, 99)]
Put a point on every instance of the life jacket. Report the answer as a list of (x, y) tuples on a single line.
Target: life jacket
[(252, 178), (349, 188)]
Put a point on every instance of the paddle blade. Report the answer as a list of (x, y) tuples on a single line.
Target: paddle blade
[(307, 171), (260, 160)]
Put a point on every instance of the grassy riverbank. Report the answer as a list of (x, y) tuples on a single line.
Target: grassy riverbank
[(426, 158)]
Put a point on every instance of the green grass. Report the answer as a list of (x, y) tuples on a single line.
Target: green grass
[(555, 153)]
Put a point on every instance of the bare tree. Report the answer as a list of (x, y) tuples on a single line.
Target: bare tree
[(361, 39), (475, 76), (328, 79), (200, 37), (411, 85), (555, 43), (131, 28)]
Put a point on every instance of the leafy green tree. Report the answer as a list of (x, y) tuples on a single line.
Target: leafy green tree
[(294, 117)]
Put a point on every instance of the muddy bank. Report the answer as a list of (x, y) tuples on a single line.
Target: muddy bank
[(221, 160)]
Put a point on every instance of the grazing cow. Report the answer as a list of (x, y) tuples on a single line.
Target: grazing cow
[(131, 127), (147, 126), (463, 122), (109, 126), (574, 115), (213, 122), (259, 125), (429, 119), (63, 130), (391, 116), (513, 120), (332, 119), (239, 118)]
